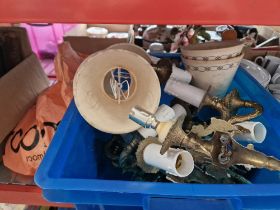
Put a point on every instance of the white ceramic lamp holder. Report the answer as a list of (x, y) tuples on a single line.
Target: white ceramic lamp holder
[(257, 132), (177, 162), (163, 114), (179, 111), (180, 75), (185, 92)]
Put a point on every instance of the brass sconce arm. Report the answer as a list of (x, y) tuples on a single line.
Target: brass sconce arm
[(230, 104)]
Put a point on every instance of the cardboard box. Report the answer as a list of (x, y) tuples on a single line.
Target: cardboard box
[(19, 89), (14, 47), (80, 42), (87, 45), (21, 34)]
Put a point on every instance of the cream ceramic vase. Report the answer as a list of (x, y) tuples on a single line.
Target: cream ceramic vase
[(213, 64), (214, 75), (212, 51)]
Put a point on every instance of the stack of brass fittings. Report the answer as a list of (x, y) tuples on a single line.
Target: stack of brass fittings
[(183, 149)]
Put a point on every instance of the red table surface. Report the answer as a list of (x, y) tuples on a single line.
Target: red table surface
[(142, 11)]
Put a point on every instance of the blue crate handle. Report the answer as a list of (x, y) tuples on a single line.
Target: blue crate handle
[(156, 203)]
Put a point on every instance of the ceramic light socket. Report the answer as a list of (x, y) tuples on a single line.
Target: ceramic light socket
[(179, 111), (185, 92), (163, 114), (177, 162), (257, 132), (180, 74), (163, 127)]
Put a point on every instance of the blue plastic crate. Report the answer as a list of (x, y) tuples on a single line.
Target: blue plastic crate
[(75, 169), (104, 207)]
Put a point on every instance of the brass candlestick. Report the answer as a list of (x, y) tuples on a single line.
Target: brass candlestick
[(229, 104), (222, 150)]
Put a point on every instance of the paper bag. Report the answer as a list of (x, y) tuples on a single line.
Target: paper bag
[(28, 142)]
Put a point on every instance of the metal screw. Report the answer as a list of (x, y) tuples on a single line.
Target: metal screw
[(224, 139)]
